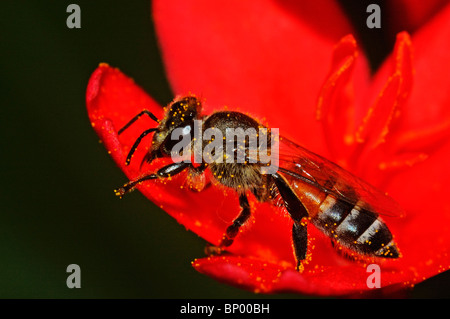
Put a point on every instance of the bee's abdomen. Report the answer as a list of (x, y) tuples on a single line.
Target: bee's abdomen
[(355, 228)]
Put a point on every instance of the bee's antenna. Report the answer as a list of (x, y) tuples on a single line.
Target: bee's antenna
[(134, 119)]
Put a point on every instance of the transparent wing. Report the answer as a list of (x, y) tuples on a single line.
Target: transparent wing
[(298, 162)]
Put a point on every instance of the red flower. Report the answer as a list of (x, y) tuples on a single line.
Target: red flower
[(272, 59)]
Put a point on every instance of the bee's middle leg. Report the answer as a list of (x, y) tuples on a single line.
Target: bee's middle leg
[(233, 229)]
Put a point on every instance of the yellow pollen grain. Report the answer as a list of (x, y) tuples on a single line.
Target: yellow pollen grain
[(349, 139)]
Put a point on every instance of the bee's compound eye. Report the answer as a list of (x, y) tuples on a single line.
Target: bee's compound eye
[(186, 130), (180, 137)]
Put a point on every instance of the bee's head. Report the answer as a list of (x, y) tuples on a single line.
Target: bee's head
[(180, 114)]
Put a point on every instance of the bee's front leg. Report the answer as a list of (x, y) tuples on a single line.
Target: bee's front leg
[(164, 172)]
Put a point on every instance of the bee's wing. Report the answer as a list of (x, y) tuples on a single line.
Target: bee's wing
[(298, 162)]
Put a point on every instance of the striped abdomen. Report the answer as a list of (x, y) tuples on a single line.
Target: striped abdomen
[(348, 225), (355, 228)]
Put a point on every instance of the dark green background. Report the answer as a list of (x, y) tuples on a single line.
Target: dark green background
[(57, 205)]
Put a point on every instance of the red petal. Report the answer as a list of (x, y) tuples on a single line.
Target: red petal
[(258, 56), (414, 161), (429, 100), (423, 121), (424, 127), (255, 275), (337, 98), (264, 276), (390, 100), (410, 15), (424, 235)]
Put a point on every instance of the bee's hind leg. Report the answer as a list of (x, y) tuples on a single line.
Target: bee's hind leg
[(299, 215)]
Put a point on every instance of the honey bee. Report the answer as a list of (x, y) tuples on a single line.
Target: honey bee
[(309, 187)]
